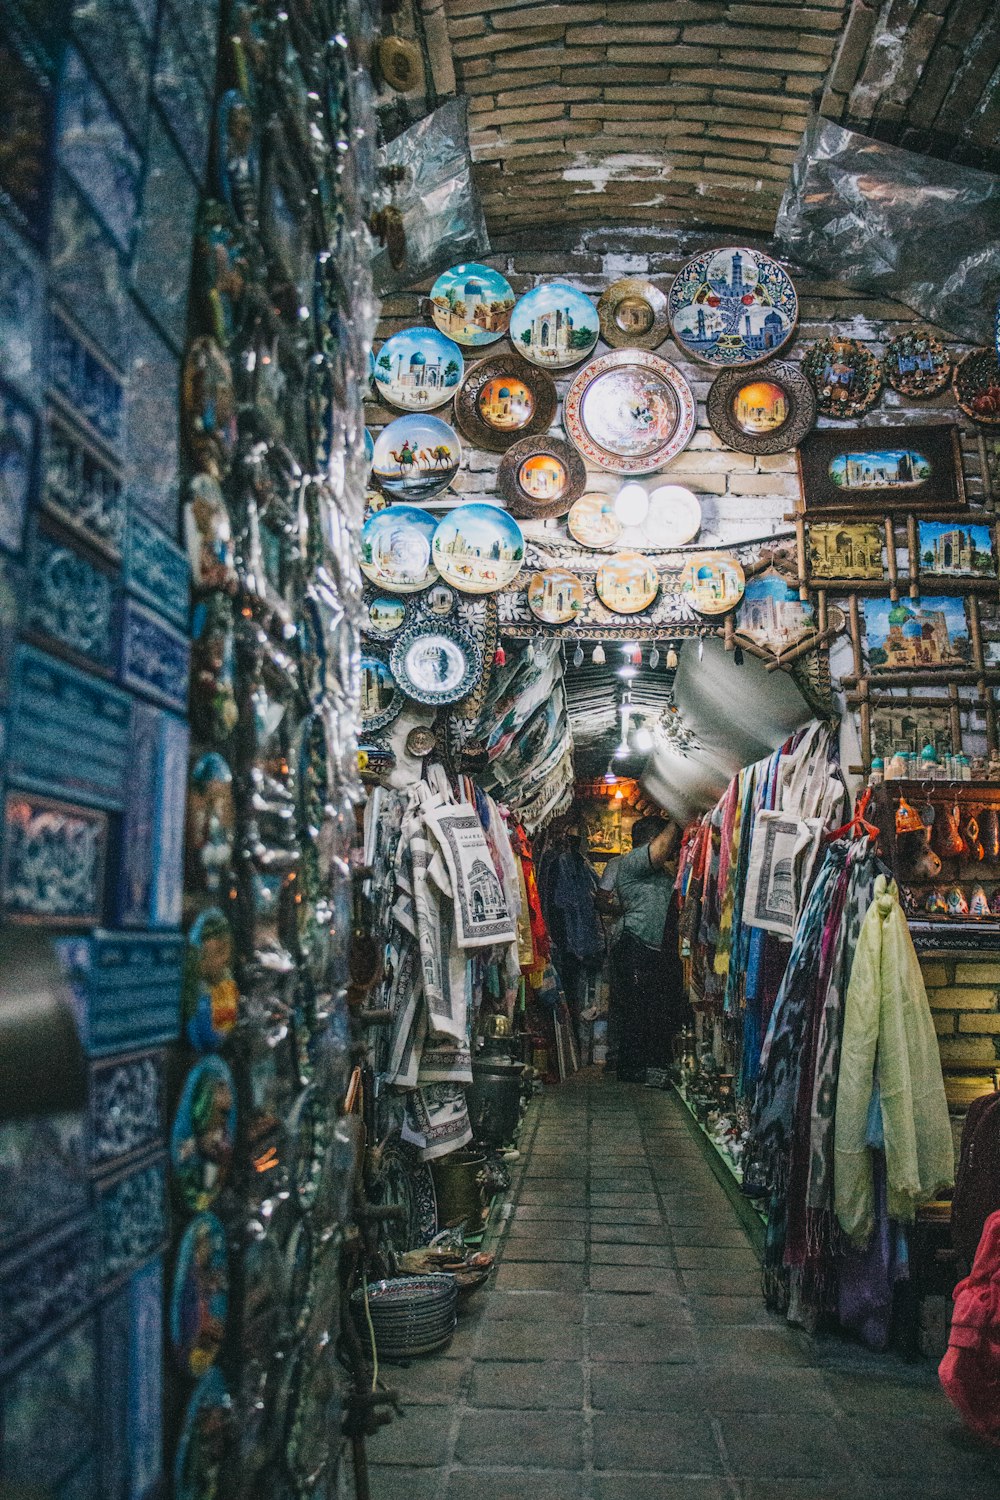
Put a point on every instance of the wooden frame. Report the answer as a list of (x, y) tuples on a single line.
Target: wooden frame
[(937, 442)]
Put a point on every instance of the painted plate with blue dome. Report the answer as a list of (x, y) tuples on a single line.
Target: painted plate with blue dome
[(732, 307), (504, 398), (396, 549), (418, 369), (554, 326), (416, 457), (712, 582), (472, 304)]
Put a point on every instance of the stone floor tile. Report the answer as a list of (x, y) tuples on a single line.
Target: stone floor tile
[(631, 1255), (534, 1339), (429, 1382), (659, 1344), (765, 1346), (419, 1439), (390, 1483), (536, 1439), (890, 1394), (550, 1213), (629, 1234), (601, 1199), (915, 1447), (539, 1276), (510, 1484), (722, 1283), (529, 1306), (555, 1385), (718, 1236), (810, 1447), (718, 1259), (544, 1247), (843, 1486), (625, 1216), (685, 1445), (632, 1279), (727, 1311), (542, 1195), (656, 1487)]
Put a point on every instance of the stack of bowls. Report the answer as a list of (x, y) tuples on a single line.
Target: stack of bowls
[(411, 1315)]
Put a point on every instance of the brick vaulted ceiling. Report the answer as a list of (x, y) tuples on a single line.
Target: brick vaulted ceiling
[(689, 112)]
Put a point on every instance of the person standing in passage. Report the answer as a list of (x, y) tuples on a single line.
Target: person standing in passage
[(650, 997)]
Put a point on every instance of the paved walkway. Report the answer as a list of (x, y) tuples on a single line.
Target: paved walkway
[(623, 1352)]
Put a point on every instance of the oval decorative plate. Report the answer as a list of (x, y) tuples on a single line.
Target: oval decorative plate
[(712, 583), (846, 377), (976, 385), (629, 412), (556, 596), (627, 583), (541, 477), (396, 548), (385, 615), (732, 306), (633, 314), (593, 522), (436, 664), (503, 398), (416, 458), (472, 304), (381, 700), (439, 600), (554, 326), (766, 413), (916, 364), (418, 369), (199, 1298), (204, 1438), (674, 516), (478, 548), (204, 1133)]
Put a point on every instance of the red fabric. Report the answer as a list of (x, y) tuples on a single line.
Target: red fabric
[(970, 1370), (539, 931)]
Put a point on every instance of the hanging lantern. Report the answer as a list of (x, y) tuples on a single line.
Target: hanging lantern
[(654, 658), (529, 654), (598, 655), (701, 647), (671, 658)]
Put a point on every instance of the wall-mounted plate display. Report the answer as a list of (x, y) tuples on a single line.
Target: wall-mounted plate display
[(554, 326), (418, 369), (713, 583), (540, 477), (204, 1438), (503, 398), (732, 306), (381, 700), (673, 518), (629, 412), (199, 1299), (916, 364), (436, 664), (439, 600), (627, 583), (768, 412), (846, 376), (203, 1133), (385, 616), (478, 548), (593, 523), (633, 314), (396, 549), (556, 596), (416, 457), (976, 386), (472, 304)]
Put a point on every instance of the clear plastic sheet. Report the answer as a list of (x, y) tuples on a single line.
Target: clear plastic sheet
[(442, 215), (882, 219)]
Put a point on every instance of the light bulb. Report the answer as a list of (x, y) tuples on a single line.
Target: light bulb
[(628, 672), (609, 777), (619, 795), (632, 504), (642, 740)]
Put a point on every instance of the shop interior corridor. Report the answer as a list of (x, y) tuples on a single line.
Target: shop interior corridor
[(622, 1350)]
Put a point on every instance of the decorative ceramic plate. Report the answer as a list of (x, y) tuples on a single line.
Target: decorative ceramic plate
[(627, 583), (916, 364), (420, 741), (199, 1298), (436, 664), (674, 516), (556, 596), (478, 548), (369, 448), (503, 398), (633, 315), (416, 458), (732, 306), (396, 549), (554, 326), (385, 615), (629, 412), (846, 376), (976, 384), (713, 583), (418, 369), (541, 477), (406, 1181), (766, 413), (381, 700), (593, 523), (204, 1438), (472, 304), (438, 601), (204, 1133)]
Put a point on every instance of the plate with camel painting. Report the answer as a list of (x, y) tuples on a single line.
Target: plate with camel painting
[(416, 458)]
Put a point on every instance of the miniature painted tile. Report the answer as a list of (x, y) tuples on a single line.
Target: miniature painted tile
[(82, 489), (71, 601), (155, 657), (150, 875), (53, 860), (118, 51), (42, 1170), (151, 458), (69, 731), (29, 98), (132, 1210), (43, 1285), (17, 466), (22, 316), (96, 151), (161, 263), (144, 1423), (86, 269), (156, 570), (125, 1108), (181, 92), (127, 988), (49, 1411), (86, 383)]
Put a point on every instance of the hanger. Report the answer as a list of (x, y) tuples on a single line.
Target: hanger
[(859, 826)]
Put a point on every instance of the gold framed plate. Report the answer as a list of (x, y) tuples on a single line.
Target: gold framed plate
[(629, 412), (976, 386), (555, 596), (633, 314), (627, 583), (541, 477), (502, 399), (593, 522), (767, 410), (713, 583)]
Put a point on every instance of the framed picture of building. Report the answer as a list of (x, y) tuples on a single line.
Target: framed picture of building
[(910, 725), (846, 550), (916, 636), (950, 549), (879, 469)]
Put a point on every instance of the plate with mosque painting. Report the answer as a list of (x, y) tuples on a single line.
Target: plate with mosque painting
[(556, 596), (713, 582), (627, 583), (554, 326), (732, 307), (593, 521), (633, 314), (541, 477), (472, 304), (418, 369), (629, 412), (503, 398), (768, 412)]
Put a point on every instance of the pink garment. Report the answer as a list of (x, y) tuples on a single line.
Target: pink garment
[(970, 1370)]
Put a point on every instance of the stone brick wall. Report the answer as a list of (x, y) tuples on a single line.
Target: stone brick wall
[(965, 1000)]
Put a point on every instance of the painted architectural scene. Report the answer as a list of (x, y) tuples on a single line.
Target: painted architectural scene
[(772, 614), (554, 325), (629, 411), (731, 306), (377, 687), (878, 469), (627, 583), (542, 477), (851, 551), (476, 552), (418, 369), (911, 636), (955, 551), (472, 304), (386, 614), (506, 404), (911, 726), (555, 596), (761, 406), (396, 552)]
